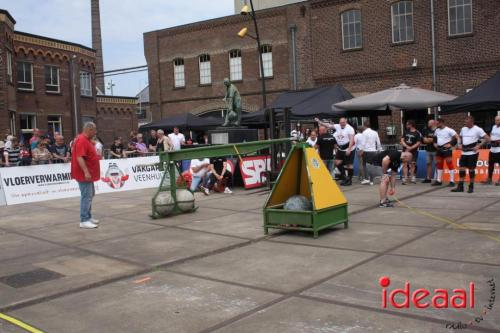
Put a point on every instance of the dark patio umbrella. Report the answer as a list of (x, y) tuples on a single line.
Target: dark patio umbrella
[(185, 120), (484, 97)]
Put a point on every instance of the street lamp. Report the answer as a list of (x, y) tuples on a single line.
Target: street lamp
[(244, 33)]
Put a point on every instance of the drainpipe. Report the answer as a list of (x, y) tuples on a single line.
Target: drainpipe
[(433, 38), (293, 30)]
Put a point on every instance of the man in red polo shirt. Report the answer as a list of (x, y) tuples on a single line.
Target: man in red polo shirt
[(85, 170)]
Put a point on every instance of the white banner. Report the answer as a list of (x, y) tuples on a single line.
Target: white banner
[(47, 182)]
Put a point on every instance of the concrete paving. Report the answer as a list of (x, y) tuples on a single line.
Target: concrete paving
[(215, 270)]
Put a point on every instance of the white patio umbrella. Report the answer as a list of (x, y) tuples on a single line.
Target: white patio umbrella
[(402, 97)]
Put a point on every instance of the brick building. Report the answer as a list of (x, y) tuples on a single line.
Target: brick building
[(261, 4), (365, 45), (50, 84)]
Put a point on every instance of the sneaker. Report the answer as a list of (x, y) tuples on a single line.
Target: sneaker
[(88, 225), (205, 190), (426, 181), (371, 183), (385, 204), (436, 183), (365, 182), (413, 180), (451, 184), (347, 183), (95, 221), (460, 188), (227, 190), (471, 188), (404, 182)]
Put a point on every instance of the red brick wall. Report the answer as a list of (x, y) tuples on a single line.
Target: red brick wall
[(115, 119)]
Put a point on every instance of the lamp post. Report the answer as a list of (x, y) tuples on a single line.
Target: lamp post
[(244, 32)]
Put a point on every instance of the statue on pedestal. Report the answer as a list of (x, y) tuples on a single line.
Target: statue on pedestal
[(233, 103)]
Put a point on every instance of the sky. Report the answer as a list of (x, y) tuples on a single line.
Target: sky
[(123, 23)]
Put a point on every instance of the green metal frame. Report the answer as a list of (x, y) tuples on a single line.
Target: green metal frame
[(276, 217), (168, 165)]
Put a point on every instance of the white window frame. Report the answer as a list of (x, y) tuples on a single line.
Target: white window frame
[(25, 82), (9, 67), (349, 47), (51, 123), (205, 68), (179, 74), (398, 16), (58, 85), (235, 65), (456, 21), (33, 122), (86, 83), (267, 60)]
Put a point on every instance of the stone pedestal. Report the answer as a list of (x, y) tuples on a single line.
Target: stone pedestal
[(226, 135)]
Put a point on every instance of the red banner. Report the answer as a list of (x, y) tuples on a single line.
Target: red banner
[(253, 170), (481, 168)]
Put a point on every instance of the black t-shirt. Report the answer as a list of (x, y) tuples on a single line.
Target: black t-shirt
[(429, 133), (394, 156), (152, 142), (411, 138), (326, 143), (59, 150), (117, 149), (218, 163)]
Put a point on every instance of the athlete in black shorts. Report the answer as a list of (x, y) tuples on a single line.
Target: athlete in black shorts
[(410, 141)]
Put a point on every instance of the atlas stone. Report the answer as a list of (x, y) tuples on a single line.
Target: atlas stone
[(298, 202)]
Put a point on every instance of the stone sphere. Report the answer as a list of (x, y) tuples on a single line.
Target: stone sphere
[(164, 203), (185, 200), (298, 202)]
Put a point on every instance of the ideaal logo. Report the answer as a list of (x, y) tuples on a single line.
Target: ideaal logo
[(114, 177), (438, 298)]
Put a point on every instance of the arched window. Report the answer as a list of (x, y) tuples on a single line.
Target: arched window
[(205, 69), (235, 65), (179, 78), (267, 60), (351, 29), (402, 21)]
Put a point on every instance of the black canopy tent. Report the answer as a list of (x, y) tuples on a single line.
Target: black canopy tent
[(184, 121), (485, 97), (304, 104)]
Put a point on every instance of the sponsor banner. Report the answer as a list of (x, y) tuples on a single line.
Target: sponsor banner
[(47, 182), (481, 168), (253, 170)]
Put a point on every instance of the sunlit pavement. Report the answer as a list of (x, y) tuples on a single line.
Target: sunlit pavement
[(213, 270)]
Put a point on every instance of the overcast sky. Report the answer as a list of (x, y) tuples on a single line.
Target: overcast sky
[(122, 22)]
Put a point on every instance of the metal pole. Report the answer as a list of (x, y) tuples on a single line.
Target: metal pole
[(264, 100), (433, 38), (73, 86), (293, 30)]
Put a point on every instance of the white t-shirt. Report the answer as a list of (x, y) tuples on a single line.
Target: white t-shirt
[(495, 136), (177, 140), (359, 141), (444, 135), (342, 135), (195, 163), (311, 142), (98, 148), (471, 136), (371, 140)]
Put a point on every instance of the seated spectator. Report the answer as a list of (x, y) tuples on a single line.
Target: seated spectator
[(117, 150), (2, 148), (133, 136), (140, 146), (8, 141), (200, 169), (41, 155), (153, 141), (24, 156), (12, 153), (163, 143), (59, 151), (131, 150), (220, 176), (98, 147), (34, 139)]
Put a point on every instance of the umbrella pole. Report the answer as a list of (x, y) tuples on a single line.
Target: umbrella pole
[(401, 114)]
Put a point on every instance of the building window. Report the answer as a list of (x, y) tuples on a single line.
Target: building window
[(52, 79), (459, 17), (179, 78), (235, 66), (24, 76), (9, 66), (85, 84), (54, 124), (205, 69), (28, 123), (402, 21), (351, 29), (267, 60)]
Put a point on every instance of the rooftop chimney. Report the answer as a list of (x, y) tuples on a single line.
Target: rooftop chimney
[(97, 43)]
